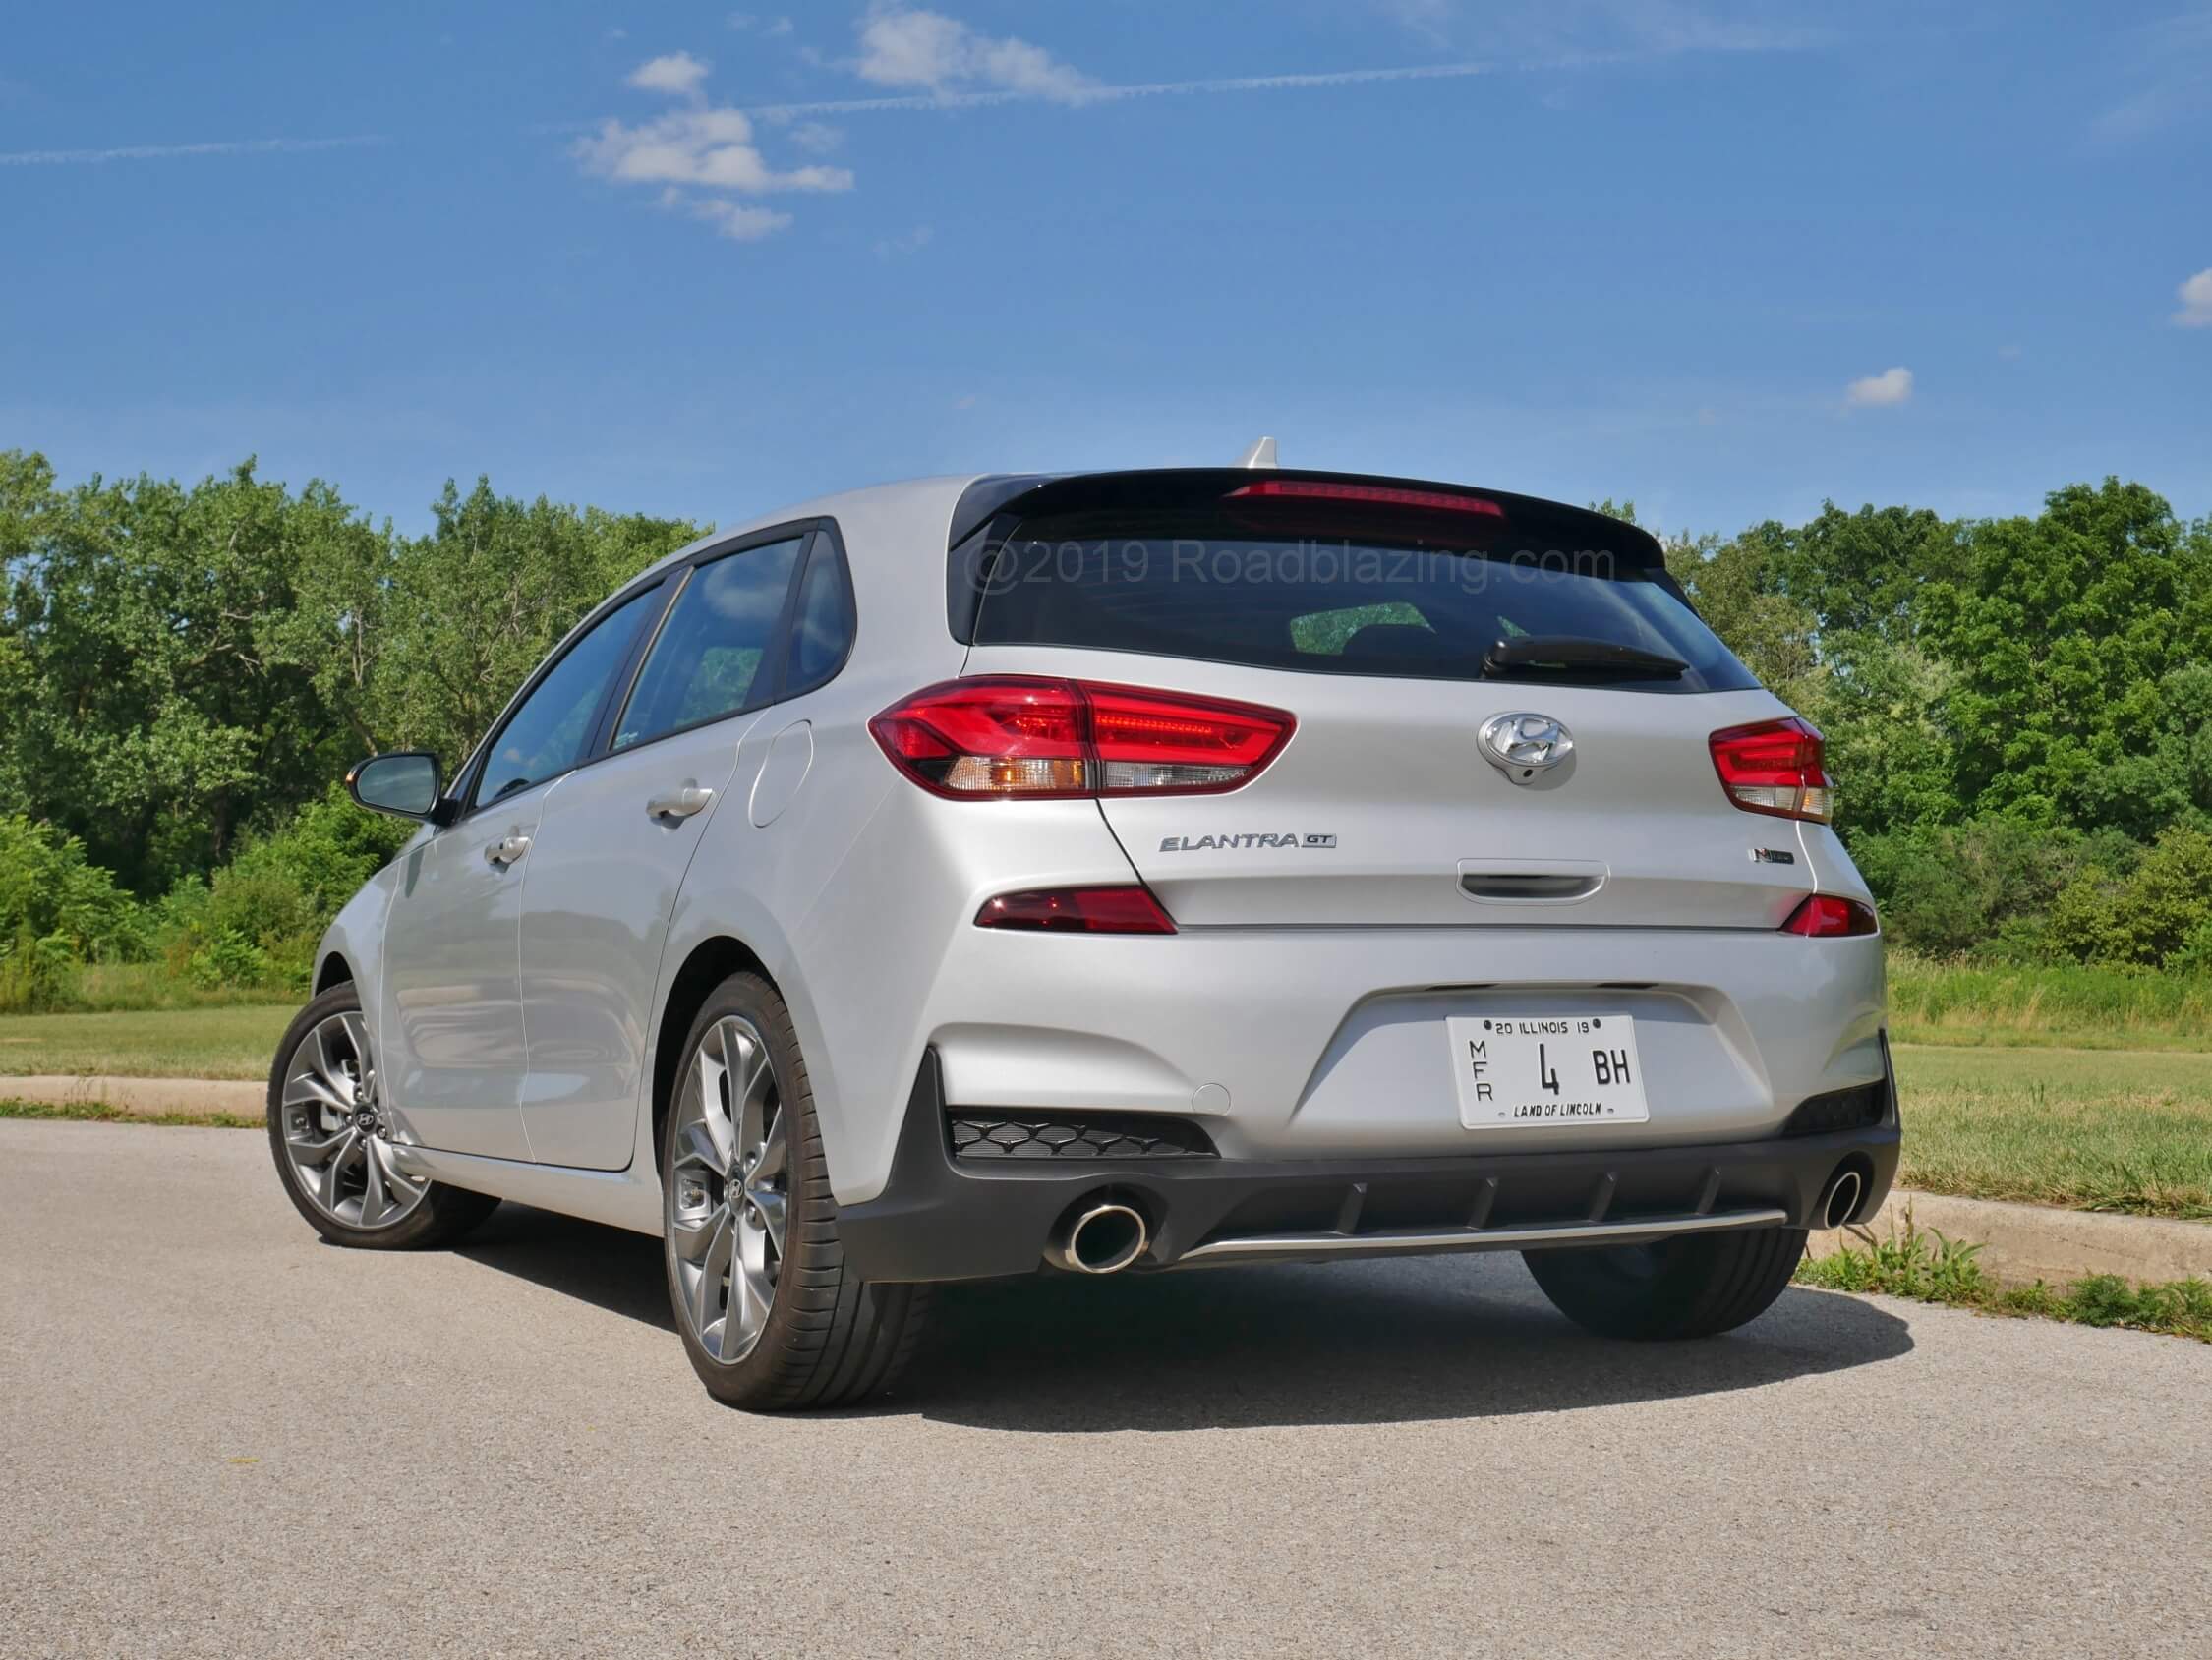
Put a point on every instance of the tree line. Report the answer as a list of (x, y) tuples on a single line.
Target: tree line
[(2019, 710)]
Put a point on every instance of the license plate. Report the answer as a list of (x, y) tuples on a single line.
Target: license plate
[(1531, 1069)]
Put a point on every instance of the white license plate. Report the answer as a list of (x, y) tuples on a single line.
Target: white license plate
[(1530, 1070)]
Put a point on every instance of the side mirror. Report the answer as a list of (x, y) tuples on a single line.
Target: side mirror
[(404, 784)]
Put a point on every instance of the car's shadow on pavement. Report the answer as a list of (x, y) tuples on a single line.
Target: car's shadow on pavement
[(610, 1268), (1346, 1344)]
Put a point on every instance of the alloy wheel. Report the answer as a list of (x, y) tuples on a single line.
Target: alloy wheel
[(730, 1189), (337, 1133)]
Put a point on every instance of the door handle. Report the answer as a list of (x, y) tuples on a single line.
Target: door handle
[(506, 850), (679, 803)]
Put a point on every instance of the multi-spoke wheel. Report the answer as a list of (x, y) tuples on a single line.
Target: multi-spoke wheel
[(768, 1311), (335, 1132), (730, 1199), (337, 1146)]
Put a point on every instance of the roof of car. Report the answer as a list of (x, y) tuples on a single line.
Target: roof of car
[(945, 510)]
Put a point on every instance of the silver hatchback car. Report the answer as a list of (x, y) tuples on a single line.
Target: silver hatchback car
[(1115, 872)]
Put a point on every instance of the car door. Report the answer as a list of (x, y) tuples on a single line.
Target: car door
[(617, 838), (450, 1024)]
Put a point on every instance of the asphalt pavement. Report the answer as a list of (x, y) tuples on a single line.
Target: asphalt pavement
[(223, 1437)]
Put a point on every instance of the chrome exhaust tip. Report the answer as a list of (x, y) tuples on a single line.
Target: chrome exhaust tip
[(1842, 1198), (1101, 1237)]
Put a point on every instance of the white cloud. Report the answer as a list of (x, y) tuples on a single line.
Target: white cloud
[(2195, 296), (702, 157), (1878, 391), (2167, 67), (901, 47), (709, 147), (2011, 354), (817, 137), (776, 29), (738, 220), (1429, 19), (678, 74), (913, 242)]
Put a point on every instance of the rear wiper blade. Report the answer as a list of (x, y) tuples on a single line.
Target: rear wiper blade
[(1539, 653)]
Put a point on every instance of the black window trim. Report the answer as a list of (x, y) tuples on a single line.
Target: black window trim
[(814, 535), (464, 789)]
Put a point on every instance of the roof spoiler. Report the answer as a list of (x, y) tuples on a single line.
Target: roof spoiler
[(1032, 493)]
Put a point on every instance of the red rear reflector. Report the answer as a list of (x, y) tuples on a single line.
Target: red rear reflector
[(1077, 910), (1374, 495), (1776, 768), (1011, 735), (1824, 916)]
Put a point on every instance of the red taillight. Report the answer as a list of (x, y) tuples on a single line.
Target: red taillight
[(1010, 735), (1077, 910), (1371, 495), (1824, 916), (1776, 768)]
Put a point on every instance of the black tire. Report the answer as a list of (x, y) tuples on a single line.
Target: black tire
[(1697, 1286), (441, 1216), (829, 1338)]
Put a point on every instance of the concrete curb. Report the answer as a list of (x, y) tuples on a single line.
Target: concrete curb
[(2023, 1244), (143, 1097)]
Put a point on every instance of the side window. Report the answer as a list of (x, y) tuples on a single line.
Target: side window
[(552, 729), (822, 622), (714, 644)]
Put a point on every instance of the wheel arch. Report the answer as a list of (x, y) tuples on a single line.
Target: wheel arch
[(711, 962), (333, 970)]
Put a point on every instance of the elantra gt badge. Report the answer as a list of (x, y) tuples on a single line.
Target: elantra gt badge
[(1521, 744), (1254, 838)]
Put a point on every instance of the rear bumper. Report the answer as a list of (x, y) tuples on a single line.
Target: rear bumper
[(945, 1219)]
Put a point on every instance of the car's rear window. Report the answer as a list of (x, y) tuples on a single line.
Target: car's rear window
[(1409, 601)]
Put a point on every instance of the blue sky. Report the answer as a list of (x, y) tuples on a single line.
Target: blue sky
[(1724, 259)]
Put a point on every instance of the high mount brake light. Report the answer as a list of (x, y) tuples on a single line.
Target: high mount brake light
[(1004, 736), (1776, 768), (1824, 916), (1077, 910), (1371, 495)]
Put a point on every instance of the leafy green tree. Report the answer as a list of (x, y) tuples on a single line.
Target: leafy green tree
[(159, 706), (2071, 637), (186, 665), (473, 606)]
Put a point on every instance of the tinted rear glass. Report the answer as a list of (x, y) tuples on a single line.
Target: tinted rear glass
[(1420, 600)]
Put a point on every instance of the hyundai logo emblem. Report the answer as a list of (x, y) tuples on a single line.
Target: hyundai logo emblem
[(1521, 744)]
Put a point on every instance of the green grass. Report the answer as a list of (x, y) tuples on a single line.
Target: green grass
[(2088, 1130), (104, 987), (2069, 1006), (222, 1042), (100, 1112), (1928, 1267)]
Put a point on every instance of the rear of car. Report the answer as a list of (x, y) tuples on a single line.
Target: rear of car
[(1351, 865)]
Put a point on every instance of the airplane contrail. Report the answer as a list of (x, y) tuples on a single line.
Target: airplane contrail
[(161, 152), (1077, 97)]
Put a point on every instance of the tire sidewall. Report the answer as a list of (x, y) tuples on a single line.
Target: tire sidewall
[(752, 999), (426, 1220)]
